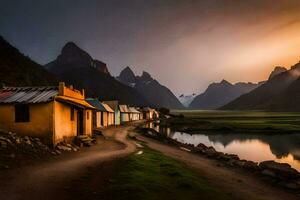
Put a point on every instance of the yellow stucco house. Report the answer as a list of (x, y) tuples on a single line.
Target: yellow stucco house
[(53, 114)]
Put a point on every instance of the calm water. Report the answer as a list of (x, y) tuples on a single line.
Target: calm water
[(281, 148)]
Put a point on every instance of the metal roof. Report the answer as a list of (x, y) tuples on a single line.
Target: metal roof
[(124, 108), (112, 104), (96, 103), (133, 110), (107, 108), (27, 94)]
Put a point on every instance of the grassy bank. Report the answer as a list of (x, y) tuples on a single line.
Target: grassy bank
[(236, 122), (152, 175)]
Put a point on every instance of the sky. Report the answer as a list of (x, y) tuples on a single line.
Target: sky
[(184, 44)]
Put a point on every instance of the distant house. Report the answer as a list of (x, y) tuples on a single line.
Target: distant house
[(53, 114), (125, 113), (114, 105), (147, 113), (134, 114), (108, 116), (100, 114)]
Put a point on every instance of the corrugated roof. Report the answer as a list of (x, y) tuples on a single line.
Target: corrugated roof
[(124, 108), (27, 94), (133, 110), (112, 104), (107, 108), (96, 103)]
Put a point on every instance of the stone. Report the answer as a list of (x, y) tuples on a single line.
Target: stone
[(292, 186), (269, 173), (5, 139), (210, 152), (282, 170), (3, 144), (202, 146), (251, 165)]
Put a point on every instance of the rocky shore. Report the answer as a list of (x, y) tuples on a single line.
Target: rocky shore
[(280, 174)]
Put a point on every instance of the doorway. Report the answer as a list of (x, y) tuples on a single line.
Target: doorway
[(80, 122)]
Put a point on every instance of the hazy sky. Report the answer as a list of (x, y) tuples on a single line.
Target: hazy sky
[(185, 44)]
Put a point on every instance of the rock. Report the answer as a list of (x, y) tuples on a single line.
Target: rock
[(282, 170), (5, 140), (3, 144), (63, 148), (211, 152), (269, 173), (251, 165), (292, 186), (202, 146), (18, 140)]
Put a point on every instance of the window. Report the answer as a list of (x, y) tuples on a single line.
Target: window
[(22, 113), (72, 114), (87, 115)]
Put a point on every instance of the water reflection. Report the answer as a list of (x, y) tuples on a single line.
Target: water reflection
[(281, 148)]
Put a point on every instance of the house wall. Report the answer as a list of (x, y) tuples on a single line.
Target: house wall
[(40, 123), (105, 118), (64, 128), (87, 122), (124, 117), (117, 119), (98, 121), (111, 119)]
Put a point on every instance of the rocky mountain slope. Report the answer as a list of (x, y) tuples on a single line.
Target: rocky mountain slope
[(280, 92), (151, 89), (219, 94), (19, 70), (186, 100), (77, 67)]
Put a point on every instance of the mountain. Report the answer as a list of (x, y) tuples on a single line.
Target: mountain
[(277, 70), (151, 89), (186, 99), (19, 70), (280, 92), (77, 67), (219, 94)]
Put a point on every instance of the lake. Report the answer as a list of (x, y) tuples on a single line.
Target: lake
[(258, 147)]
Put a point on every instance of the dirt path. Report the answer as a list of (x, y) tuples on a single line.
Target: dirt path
[(239, 184), (53, 179)]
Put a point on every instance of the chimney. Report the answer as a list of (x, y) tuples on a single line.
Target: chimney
[(61, 88)]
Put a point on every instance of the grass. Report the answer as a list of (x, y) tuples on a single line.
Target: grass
[(237, 121), (152, 176)]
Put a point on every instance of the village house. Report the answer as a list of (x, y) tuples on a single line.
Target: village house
[(53, 114), (125, 113), (114, 105), (108, 116), (100, 114), (134, 114)]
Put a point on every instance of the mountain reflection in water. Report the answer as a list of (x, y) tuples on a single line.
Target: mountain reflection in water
[(281, 148)]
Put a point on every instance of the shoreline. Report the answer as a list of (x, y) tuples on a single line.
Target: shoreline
[(279, 174)]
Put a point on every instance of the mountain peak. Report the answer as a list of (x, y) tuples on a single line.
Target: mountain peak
[(146, 76), (127, 76), (224, 82), (277, 70)]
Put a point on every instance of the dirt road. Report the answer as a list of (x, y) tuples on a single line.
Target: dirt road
[(237, 183), (54, 179)]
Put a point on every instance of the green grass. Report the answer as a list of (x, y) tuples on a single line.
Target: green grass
[(153, 175), (238, 121)]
